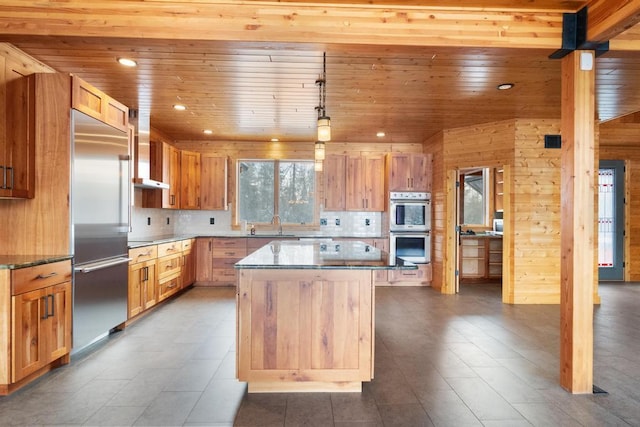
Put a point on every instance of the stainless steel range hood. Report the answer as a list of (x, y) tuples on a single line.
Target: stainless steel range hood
[(142, 152)]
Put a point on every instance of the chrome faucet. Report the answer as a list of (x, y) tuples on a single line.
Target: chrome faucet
[(276, 218)]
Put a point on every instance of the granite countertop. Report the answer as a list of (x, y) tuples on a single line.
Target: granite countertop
[(294, 254), (13, 262), (483, 234), (136, 242)]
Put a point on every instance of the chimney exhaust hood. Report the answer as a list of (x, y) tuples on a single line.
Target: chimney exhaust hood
[(142, 152)]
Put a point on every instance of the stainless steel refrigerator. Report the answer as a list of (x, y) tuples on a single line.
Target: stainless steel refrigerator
[(100, 215)]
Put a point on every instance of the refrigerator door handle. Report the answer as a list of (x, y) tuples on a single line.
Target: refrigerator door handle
[(94, 266)]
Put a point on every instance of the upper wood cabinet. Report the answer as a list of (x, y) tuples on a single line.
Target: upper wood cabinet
[(213, 183), (365, 183), (97, 104), (165, 167), (335, 176), (17, 144), (189, 180), (409, 172)]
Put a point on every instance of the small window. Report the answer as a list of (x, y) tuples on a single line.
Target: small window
[(267, 188), (473, 195)]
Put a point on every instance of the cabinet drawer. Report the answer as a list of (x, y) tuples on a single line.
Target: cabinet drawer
[(170, 248), (32, 278), (224, 262), (169, 265), (235, 243), (235, 253), (422, 274), (224, 275), (168, 287), (144, 253), (187, 245)]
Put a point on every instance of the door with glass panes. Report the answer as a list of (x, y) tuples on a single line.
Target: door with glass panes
[(611, 220)]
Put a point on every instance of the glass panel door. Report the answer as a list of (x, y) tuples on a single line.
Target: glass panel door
[(611, 220)]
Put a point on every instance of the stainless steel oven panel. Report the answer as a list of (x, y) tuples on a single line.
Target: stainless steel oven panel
[(413, 247), (409, 215)]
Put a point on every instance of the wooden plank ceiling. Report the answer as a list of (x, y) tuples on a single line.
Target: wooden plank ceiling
[(247, 90)]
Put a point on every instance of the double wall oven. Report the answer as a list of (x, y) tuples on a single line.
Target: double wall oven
[(410, 226)]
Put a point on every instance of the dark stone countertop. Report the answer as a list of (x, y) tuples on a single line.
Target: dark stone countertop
[(344, 255), (13, 262)]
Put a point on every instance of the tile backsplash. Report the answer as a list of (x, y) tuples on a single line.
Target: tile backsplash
[(159, 222)]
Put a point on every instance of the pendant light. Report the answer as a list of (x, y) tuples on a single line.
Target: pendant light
[(324, 121)]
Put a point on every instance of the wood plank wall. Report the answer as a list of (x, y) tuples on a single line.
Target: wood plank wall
[(620, 140), (39, 225), (534, 200)]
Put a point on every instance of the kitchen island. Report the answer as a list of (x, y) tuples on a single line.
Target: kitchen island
[(305, 315)]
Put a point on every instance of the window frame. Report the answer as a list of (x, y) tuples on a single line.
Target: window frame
[(486, 195), (313, 225)]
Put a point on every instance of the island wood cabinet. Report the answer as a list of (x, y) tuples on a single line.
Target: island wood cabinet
[(408, 172), (143, 288), (189, 180), (95, 103), (213, 182), (305, 330), (36, 312), (354, 183)]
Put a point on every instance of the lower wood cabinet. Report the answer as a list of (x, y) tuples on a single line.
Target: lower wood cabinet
[(216, 257), (37, 302), (421, 276), (480, 258)]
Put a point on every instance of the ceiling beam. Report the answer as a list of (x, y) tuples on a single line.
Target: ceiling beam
[(609, 18), (342, 23)]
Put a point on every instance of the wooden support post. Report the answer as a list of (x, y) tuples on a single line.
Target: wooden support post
[(577, 222)]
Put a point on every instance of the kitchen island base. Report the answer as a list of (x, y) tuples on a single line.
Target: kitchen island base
[(306, 330)]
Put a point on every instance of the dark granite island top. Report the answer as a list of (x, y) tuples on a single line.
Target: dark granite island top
[(322, 255), (306, 315)]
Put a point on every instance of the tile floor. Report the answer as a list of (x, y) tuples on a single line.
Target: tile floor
[(465, 360)]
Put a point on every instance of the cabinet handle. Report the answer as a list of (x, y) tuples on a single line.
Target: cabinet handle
[(10, 169), (53, 304), (209, 245), (45, 301), (198, 202), (46, 276), (4, 177), (172, 199)]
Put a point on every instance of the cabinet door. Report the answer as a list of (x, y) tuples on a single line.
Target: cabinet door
[(189, 180), (57, 325), (172, 155), (149, 290), (420, 172), (137, 274), (28, 342), (335, 174), (374, 183), (97, 104), (355, 184), (213, 183), (204, 259), (188, 268), (399, 172)]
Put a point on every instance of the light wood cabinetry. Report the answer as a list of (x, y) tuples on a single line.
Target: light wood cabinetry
[(189, 180), (419, 277), (97, 104), (188, 262), (365, 183), (213, 183), (498, 188), (143, 285), (408, 172), (480, 258), (165, 167), (204, 260), (226, 252), (335, 178), (36, 312), (305, 330), (157, 272)]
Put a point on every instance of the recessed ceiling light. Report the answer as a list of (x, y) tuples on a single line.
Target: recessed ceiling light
[(380, 134), (505, 86), (207, 132), (274, 140), (127, 62), (179, 107)]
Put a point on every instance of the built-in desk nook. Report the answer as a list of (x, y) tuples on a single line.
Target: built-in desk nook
[(305, 315)]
